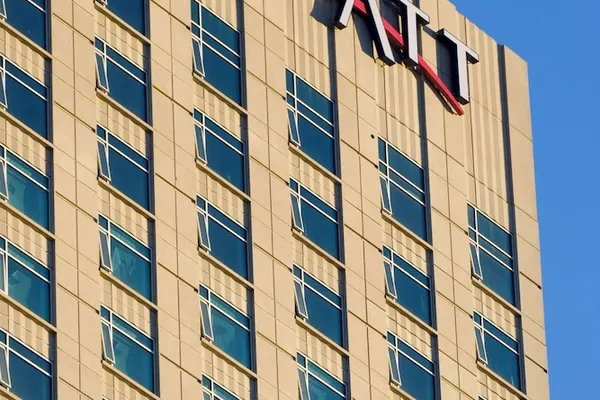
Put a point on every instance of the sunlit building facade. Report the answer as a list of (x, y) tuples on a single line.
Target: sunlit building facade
[(240, 200)]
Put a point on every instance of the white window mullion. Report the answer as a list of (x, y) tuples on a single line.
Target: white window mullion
[(303, 385), (4, 367), (394, 367), (101, 71), (198, 56)]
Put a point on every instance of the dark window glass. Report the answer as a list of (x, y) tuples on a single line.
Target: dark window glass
[(228, 248), (133, 360), (130, 268), (29, 289), (129, 178), (415, 380), (26, 196), (26, 100), (126, 90), (497, 277), (28, 382), (408, 211), (131, 11), (411, 294), (29, 18), (231, 337)]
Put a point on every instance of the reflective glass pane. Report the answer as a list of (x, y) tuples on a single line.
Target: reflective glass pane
[(325, 317), (231, 337), (2, 90), (27, 106), (28, 19), (133, 360), (408, 212), (127, 91), (317, 144), (415, 380), (219, 29), (101, 72), (29, 289), (389, 279), (130, 268), (300, 300), (503, 361), (320, 229), (385, 194), (27, 197), (4, 374), (222, 75), (476, 265), (107, 346), (28, 382), (103, 161), (413, 296), (494, 233), (224, 160), (129, 178), (315, 100), (481, 352), (303, 385), (228, 248), (405, 167), (131, 11), (497, 277), (318, 390)]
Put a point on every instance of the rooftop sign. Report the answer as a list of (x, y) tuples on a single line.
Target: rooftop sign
[(407, 42)]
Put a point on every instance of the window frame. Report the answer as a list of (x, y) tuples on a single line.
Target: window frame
[(476, 247), (206, 315), (296, 196), (294, 134), (303, 365), (395, 351), (5, 163), (200, 127), (205, 212), (4, 286), (5, 339), (481, 329), (6, 105), (208, 385), (106, 259), (386, 180), (4, 17), (105, 3), (198, 42), (112, 326)]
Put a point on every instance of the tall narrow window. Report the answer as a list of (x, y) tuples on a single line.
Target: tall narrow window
[(225, 238), (123, 79), (319, 305), (124, 167), (28, 17), (125, 257), (131, 11), (25, 279), (128, 348), (317, 383), (311, 121), (226, 326), (402, 189), (217, 51), (23, 371), (315, 218), (221, 150), (497, 349), (24, 186), (408, 285), (491, 255), (25, 97), (409, 369)]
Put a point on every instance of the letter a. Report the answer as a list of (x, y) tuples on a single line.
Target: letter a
[(384, 48)]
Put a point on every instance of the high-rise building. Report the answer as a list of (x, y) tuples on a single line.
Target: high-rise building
[(265, 199)]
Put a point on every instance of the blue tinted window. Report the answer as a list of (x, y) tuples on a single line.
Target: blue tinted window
[(403, 189), (219, 56), (131, 11), (27, 188), (128, 260), (492, 257), (29, 18), (128, 168), (324, 307), (126, 80), (133, 350), (311, 121), (228, 239), (320, 220), (26, 98), (320, 383), (28, 281), (411, 288), (416, 372), (224, 153), (230, 328), (30, 373), (502, 352), (213, 390)]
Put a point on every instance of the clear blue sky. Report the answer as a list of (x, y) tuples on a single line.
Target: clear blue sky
[(559, 39)]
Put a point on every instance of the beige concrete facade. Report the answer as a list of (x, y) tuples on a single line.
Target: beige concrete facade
[(483, 158)]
